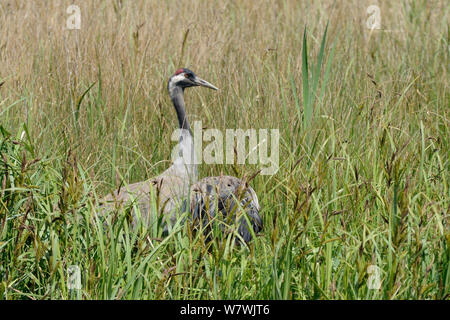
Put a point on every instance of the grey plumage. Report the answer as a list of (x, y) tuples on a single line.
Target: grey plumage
[(228, 201), (168, 192)]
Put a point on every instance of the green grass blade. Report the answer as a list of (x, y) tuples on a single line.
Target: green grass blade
[(307, 108)]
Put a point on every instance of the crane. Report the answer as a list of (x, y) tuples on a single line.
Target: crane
[(179, 183)]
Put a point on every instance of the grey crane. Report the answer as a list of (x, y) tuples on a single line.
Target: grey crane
[(178, 185)]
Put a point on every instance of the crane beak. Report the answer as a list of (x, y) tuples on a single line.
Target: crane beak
[(204, 83)]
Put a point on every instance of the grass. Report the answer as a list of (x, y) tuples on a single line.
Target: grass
[(364, 147)]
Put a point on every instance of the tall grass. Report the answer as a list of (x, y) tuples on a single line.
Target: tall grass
[(363, 120)]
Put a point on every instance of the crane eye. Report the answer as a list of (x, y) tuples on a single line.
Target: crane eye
[(186, 75)]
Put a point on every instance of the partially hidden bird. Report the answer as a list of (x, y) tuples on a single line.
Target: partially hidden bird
[(178, 190)]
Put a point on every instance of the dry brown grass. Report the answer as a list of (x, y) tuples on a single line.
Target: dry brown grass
[(244, 47)]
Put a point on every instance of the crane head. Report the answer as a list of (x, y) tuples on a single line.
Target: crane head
[(185, 78)]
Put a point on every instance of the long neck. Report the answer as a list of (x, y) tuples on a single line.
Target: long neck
[(186, 160), (177, 96)]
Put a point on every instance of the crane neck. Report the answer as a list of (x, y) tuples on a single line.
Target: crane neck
[(186, 162), (177, 96)]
